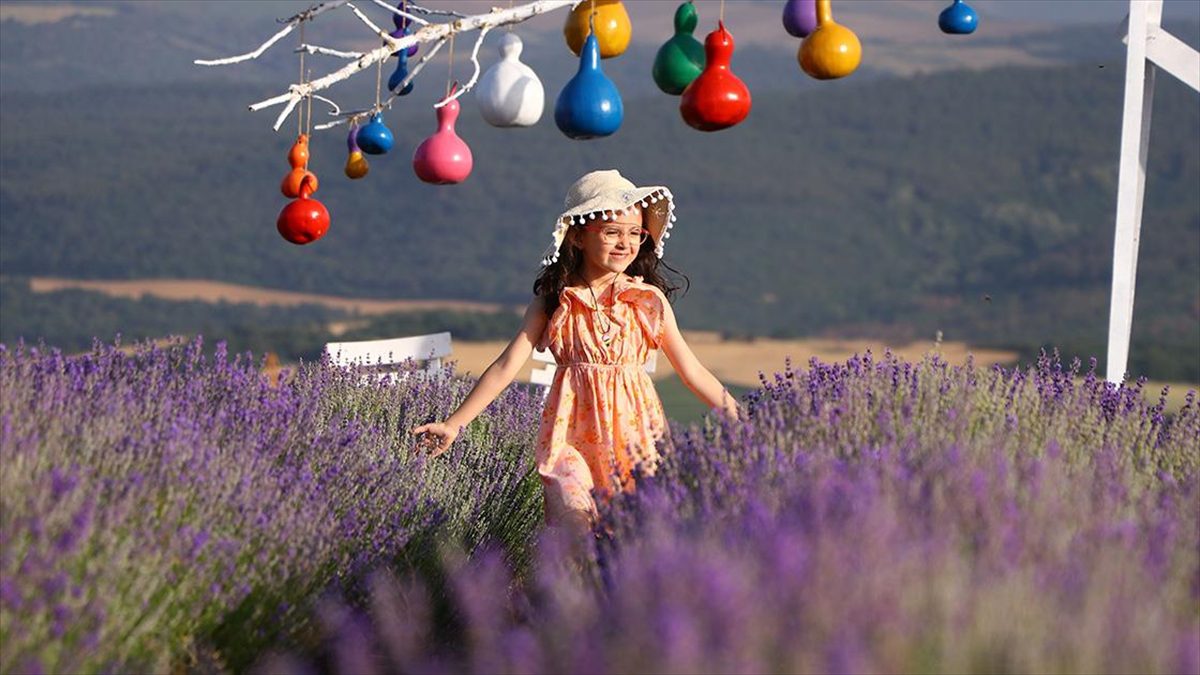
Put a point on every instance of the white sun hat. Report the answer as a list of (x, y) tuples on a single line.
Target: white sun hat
[(600, 195)]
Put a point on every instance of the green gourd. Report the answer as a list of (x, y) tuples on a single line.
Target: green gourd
[(681, 59)]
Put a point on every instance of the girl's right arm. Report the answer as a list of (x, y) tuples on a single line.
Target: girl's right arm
[(493, 381)]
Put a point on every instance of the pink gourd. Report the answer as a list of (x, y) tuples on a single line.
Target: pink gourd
[(443, 158)]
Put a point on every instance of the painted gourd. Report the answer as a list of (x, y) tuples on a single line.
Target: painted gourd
[(681, 59), (589, 106), (401, 24), (298, 159), (958, 19), (717, 99), (443, 158), (800, 17), (611, 26), (292, 182), (303, 220), (401, 71), (832, 50), (356, 163), (510, 93), (298, 154), (375, 138)]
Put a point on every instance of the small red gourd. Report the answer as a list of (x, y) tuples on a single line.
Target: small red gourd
[(717, 99)]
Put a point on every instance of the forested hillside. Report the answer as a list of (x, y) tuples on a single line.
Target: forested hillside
[(975, 203)]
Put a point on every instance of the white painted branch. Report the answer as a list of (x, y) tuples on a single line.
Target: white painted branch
[(249, 55), (430, 33), (336, 109), (370, 24), (394, 10), (286, 111), (442, 12), (329, 125), (314, 49), (343, 118), (315, 11), (474, 76), (282, 98), (306, 15)]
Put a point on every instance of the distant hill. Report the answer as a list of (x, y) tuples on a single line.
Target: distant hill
[(979, 203)]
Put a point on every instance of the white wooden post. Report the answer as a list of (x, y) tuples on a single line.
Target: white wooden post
[(1147, 46)]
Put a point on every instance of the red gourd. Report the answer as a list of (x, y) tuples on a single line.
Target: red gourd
[(717, 99), (304, 220)]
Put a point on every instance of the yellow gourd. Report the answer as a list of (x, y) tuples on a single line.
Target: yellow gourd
[(356, 166), (832, 50), (612, 26)]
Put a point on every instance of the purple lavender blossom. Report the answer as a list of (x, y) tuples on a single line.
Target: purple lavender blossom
[(883, 538), (163, 497)]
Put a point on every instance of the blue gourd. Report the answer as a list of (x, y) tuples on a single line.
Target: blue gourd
[(401, 71), (375, 138), (958, 19), (589, 106)]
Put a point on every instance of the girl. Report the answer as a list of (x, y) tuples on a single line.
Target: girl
[(600, 306)]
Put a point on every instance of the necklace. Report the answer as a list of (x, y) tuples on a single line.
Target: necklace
[(608, 328)]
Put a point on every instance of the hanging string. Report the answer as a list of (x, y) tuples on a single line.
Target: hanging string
[(308, 130), (450, 73), (509, 27), (378, 81), (722, 11), (300, 114)]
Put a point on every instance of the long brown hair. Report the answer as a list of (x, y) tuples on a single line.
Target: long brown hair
[(564, 271)]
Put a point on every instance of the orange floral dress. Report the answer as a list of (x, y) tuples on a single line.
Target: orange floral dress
[(602, 413)]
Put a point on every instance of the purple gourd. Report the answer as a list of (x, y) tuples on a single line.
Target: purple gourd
[(356, 162)]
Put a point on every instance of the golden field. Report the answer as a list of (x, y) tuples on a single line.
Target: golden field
[(735, 362)]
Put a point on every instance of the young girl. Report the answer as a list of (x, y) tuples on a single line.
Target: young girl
[(600, 306)]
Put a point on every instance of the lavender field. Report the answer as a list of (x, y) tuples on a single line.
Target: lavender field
[(170, 510)]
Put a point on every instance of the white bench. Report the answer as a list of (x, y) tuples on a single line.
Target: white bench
[(544, 376), (383, 356)]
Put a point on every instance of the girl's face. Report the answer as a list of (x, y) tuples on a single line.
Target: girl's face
[(612, 245)]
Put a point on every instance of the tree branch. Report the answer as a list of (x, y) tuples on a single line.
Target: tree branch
[(399, 12), (315, 49), (370, 24), (438, 32), (306, 15), (474, 76)]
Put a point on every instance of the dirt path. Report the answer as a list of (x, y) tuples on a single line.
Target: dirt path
[(216, 291)]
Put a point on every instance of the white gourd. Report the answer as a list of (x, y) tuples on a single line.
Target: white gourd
[(510, 93)]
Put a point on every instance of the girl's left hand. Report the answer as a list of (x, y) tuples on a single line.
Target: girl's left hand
[(438, 436)]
